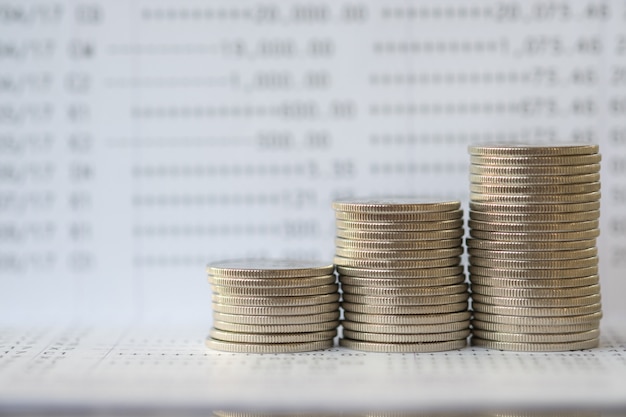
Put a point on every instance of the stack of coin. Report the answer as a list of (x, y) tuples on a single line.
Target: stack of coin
[(403, 288), (534, 213), (273, 306)]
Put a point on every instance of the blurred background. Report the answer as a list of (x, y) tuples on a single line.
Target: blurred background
[(140, 140)]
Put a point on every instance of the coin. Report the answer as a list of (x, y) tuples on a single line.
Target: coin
[(543, 264), (533, 273), (381, 245), (403, 347), (536, 302), (304, 319), (536, 311), (503, 245), (394, 205), (276, 310), (535, 347), (560, 189), (275, 292), (535, 292), (427, 216), (535, 236), (406, 338), (405, 329), (533, 149), (562, 255), (538, 320), (397, 264), (533, 227), (580, 216), (554, 170), (405, 291), (516, 208), (271, 338), (402, 273), (395, 309), (407, 319), (273, 282), (400, 227), (405, 300), (535, 283), (394, 236), (274, 301), (401, 282), (536, 198), (534, 179), (547, 329), (268, 348), (535, 160), (269, 268), (398, 254), (276, 328)]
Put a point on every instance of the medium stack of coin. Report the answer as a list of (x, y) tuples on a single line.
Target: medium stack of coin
[(273, 306), (403, 288), (534, 213)]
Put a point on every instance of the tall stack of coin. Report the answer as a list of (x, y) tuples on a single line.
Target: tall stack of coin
[(534, 213), (273, 306), (399, 267)]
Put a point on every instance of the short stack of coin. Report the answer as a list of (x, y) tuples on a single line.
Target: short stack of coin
[(534, 213), (273, 306), (403, 288)]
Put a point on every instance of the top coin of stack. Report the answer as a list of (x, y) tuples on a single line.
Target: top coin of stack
[(399, 267), (273, 306), (534, 213)]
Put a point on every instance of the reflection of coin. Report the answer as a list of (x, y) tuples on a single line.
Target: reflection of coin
[(400, 254), (535, 347), (276, 310), (562, 255), (405, 329), (398, 244), (403, 347), (394, 205), (268, 268), (427, 216), (268, 348), (401, 282), (275, 328), (275, 301), (405, 300), (402, 273), (505, 150), (405, 291), (556, 283), (536, 311), (538, 320), (407, 319), (406, 338), (271, 338)]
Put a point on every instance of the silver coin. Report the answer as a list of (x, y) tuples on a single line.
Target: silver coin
[(533, 227), (405, 309), (526, 320), (535, 347), (530, 329), (399, 254), (405, 329), (405, 300), (269, 268), (505, 149), (543, 199), (276, 328), (580, 216), (536, 311), (397, 264), (402, 347), (407, 319), (534, 179), (516, 208), (266, 320), (553, 170), (533, 273), (400, 273), (401, 282), (395, 236), (380, 245), (561, 255), (537, 302), (505, 245), (406, 338), (557, 283), (275, 292), (273, 282), (276, 310), (395, 205), (535, 236), (542, 264), (428, 216), (405, 291), (268, 348), (400, 226), (271, 338), (535, 292), (558, 189), (535, 160), (275, 301)]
